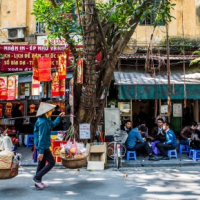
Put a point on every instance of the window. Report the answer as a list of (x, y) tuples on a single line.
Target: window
[(150, 19), (40, 27)]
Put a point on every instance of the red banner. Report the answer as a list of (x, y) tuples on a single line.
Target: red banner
[(62, 87), (55, 84), (3, 88), (35, 87), (11, 88), (44, 69), (62, 66), (80, 71), (35, 67)]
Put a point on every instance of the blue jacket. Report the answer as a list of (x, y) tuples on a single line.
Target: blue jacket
[(42, 132), (133, 136), (171, 138)]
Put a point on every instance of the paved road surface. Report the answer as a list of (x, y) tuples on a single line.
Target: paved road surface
[(142, 183)]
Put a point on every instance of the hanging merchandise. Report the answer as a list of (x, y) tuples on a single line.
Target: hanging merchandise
[(45, 90), (62, 106), (35, 67), (8, 109), (44, 69), (16, 86), (55, 84), (22, 90), (1, 110), (62, 66), (35, 87), (27, 89), (62, 87), (32, 108), (80, 71), (11, 88), (3, 88), (71, 100)]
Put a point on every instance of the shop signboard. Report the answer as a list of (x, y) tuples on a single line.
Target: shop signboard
[(84, 131), (177, 110), (19, 58)]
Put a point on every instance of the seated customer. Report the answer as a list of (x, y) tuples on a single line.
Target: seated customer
[(170, 142), (186, 133), (144, 135), (157, 132), (195, 139), (127, 126), (133, 144)]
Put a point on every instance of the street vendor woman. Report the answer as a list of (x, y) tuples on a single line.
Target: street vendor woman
[(42, 136)]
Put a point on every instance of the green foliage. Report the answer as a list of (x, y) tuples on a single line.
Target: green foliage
[(120, 12), (195, 61), (125, 14), (58, 21)]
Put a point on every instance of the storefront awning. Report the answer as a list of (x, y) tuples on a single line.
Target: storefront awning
[(144, 86)]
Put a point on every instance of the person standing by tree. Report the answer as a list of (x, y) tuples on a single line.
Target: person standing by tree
[(42, 137)]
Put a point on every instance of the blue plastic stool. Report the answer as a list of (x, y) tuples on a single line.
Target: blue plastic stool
[(131, 155), (29, 142), (185, 150), (172, 153), (194, 154)]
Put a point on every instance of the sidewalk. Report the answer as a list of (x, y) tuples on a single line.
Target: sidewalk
[(141, 161)]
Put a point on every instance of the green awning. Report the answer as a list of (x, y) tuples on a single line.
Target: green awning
[(138, 86)]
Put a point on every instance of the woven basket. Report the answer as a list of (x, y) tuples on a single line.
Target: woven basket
[(8, 173), (74, 163)]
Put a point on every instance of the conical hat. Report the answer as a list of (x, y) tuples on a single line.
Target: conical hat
[(44, 107)]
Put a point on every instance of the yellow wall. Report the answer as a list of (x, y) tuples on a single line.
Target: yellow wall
[(15, 13), (191, 24), (18, 13)]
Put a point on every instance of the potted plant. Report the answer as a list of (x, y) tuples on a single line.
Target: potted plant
[(112, 103)]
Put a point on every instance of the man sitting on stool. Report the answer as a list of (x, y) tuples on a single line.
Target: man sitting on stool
[(133, 144), (170, 142)]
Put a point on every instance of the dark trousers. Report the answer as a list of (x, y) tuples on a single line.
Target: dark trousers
[(43, 168), (163, 147), (144, 145)]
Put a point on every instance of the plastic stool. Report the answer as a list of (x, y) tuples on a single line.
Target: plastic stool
[(185, 150), (29, 142), (194, 154), (172, 153), (131, 155)]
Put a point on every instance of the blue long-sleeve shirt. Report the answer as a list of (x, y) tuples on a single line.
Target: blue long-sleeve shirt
[(170, 138), (133, 136), (42, 132)]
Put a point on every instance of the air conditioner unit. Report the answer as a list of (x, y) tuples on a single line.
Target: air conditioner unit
[(16, 33)]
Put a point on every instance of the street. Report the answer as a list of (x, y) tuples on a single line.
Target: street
[(141, 183)]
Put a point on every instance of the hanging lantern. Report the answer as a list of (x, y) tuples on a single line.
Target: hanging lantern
[(55, 84), (3, 88), (35, 67), (11, 88), (62, 66), (80, 71), (44, 69)]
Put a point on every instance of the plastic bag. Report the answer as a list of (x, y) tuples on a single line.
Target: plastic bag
[(1, 144), (7, 143)]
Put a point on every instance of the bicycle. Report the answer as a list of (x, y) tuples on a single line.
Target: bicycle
[(116, 149)]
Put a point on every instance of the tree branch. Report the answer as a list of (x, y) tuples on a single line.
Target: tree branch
[(53, 3)]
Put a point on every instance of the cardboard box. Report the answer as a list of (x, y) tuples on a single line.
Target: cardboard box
[(97, 156)]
